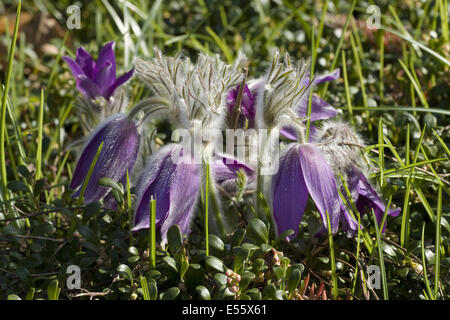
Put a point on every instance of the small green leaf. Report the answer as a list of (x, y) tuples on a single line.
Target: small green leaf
[(171, 263), (203, 293), (285, 234), (125, 271), (238, 237), (221, 278), (13, 297), (152, 289), (216, 244), (215, 264), (174, 239), (258, 231), (239, 259), (246, 277), (17, 186), (171, 293), (254, 294), (294, 280), (133, 251)]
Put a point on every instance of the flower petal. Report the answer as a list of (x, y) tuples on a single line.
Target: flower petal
[(74, 67), (117, 83), (320, 109), (154, 182), (120, 147), (225, 168), (369, 198), (326, 77), (184, 193), (321, 184), (105, 78), (174, 184), (289, 192), (88, 87), (105, 57), (86, 62)]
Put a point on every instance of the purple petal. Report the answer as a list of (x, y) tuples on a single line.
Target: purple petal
[(88, 87), (320, 109), (86, 62), (120, 147), (247, 102), (105, 78), (319, 179), (289, 192), (289, 133), (326, 77), (118, 82), (225, 170), (184, 193), (154, 182), (349, 224), (174, 184), (74, 67), (369, 198), (105, 57)]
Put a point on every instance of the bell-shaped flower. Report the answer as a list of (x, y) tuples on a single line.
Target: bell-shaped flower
[(172, 178), (304, 172), (97, 78), (120, 139)]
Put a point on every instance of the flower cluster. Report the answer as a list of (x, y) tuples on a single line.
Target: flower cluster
[(209, 95)]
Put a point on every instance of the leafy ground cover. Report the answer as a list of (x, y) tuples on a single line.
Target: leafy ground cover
[(393, 89)]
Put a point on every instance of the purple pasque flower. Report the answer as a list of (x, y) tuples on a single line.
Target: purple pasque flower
[(97, 78), (120, 139), (247, 105), (365, 199), (320, 109), (304, 172), (173, 179)]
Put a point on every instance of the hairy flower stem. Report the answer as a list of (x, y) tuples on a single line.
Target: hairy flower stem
[(260, 178)]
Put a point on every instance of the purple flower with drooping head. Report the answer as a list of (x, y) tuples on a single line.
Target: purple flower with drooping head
[(320, 109), (341, 146), (173, 180), (97, 78), (120, 139), (304, 172)]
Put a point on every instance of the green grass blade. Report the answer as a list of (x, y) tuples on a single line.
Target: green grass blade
[(380, 256), (437, 254), (39, 146), (334, 289), (425, 276), (3, 108), (207, 210), (91, 168), (152, 235)]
